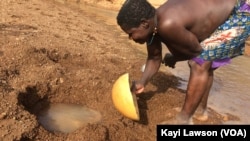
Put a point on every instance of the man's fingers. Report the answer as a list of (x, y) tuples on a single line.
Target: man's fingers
[(139, 90)]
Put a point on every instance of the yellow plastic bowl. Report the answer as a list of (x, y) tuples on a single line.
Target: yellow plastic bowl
[(124, 101)]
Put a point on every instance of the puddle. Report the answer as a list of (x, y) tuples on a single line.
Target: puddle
[(230, 92), (67, 118)]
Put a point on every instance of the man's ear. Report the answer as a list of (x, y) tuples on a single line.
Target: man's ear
[(145, 23)]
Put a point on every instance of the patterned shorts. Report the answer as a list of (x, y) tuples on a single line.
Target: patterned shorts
[(228, 40)]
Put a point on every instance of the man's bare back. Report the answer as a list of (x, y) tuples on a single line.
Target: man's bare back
[(189, 23), (199, 17)]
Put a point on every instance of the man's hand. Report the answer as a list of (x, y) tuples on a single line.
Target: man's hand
[(137, 87), (169, 60)]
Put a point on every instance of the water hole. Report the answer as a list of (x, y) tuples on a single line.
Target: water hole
[(56, 117), (66, 118)]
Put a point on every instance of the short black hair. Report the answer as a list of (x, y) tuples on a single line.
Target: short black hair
[(132, 11)]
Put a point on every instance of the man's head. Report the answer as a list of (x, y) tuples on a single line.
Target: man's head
[(134, 19), (133, 11)]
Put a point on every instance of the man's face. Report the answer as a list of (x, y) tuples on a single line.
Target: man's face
[(138, 34)]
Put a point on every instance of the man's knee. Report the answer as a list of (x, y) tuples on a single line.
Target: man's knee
[(194, 66)]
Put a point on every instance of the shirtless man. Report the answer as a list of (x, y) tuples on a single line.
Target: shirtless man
[(207, 33)]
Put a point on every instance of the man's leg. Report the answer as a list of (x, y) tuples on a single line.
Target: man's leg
[(203, 115), (200, 82)]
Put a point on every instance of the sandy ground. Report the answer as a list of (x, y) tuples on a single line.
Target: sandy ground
[(51, 53)]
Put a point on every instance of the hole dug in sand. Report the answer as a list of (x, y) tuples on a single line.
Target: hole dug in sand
[(56, 117)]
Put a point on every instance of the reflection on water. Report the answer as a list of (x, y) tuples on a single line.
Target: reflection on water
[(230, 92), (67, 118), (234, 93)]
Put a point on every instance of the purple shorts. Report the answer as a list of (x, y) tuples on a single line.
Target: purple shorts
[(228, 40)]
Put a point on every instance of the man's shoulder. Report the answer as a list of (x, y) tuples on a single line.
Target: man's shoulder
[(171, 15), (171, 21)]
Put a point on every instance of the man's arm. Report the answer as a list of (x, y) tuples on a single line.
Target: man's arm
[(152, 66), (153, 60)]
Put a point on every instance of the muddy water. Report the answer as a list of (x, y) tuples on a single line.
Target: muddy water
[(67, 118), (230, 92), (231, 89)]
